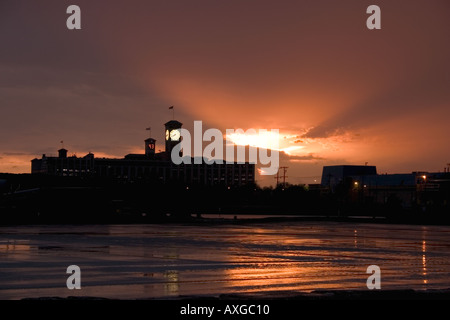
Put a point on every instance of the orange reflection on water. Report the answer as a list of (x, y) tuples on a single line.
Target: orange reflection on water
[(293, 269), (424, 262), (15, 248), (171, 285), (286, 276)]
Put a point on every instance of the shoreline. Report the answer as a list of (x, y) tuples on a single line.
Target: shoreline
[(235, 219), (318, 295)]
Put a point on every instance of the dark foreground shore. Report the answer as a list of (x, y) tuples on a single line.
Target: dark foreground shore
[(318, 295), (237, 219)]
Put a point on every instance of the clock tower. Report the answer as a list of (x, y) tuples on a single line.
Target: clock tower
[(172, 135)]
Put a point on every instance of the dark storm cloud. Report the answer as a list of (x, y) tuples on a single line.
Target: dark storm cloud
[(273, 64), (79, 82), (34, 33), (427, 93), (307, 157), (60, 85)]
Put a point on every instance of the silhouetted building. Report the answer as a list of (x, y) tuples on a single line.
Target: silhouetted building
[(150, 166), (406, 190), (333, 175), (149, 145), (62, 153)]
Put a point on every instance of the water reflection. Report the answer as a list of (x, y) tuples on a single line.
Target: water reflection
[(15, 249), (424, 262), (171, 285), (172, 260)]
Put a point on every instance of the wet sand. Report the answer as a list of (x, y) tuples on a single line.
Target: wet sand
[(283, 259)]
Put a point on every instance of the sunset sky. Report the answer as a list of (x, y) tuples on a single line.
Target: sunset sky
[(338, 92)]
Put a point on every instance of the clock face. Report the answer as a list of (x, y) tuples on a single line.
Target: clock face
[(167, 134), (175, 135)]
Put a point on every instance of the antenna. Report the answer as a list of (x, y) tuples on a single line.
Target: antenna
[(284, 176), (277, 177)]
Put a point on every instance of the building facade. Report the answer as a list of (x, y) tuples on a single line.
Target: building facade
[(406, 189), (147, 167)]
